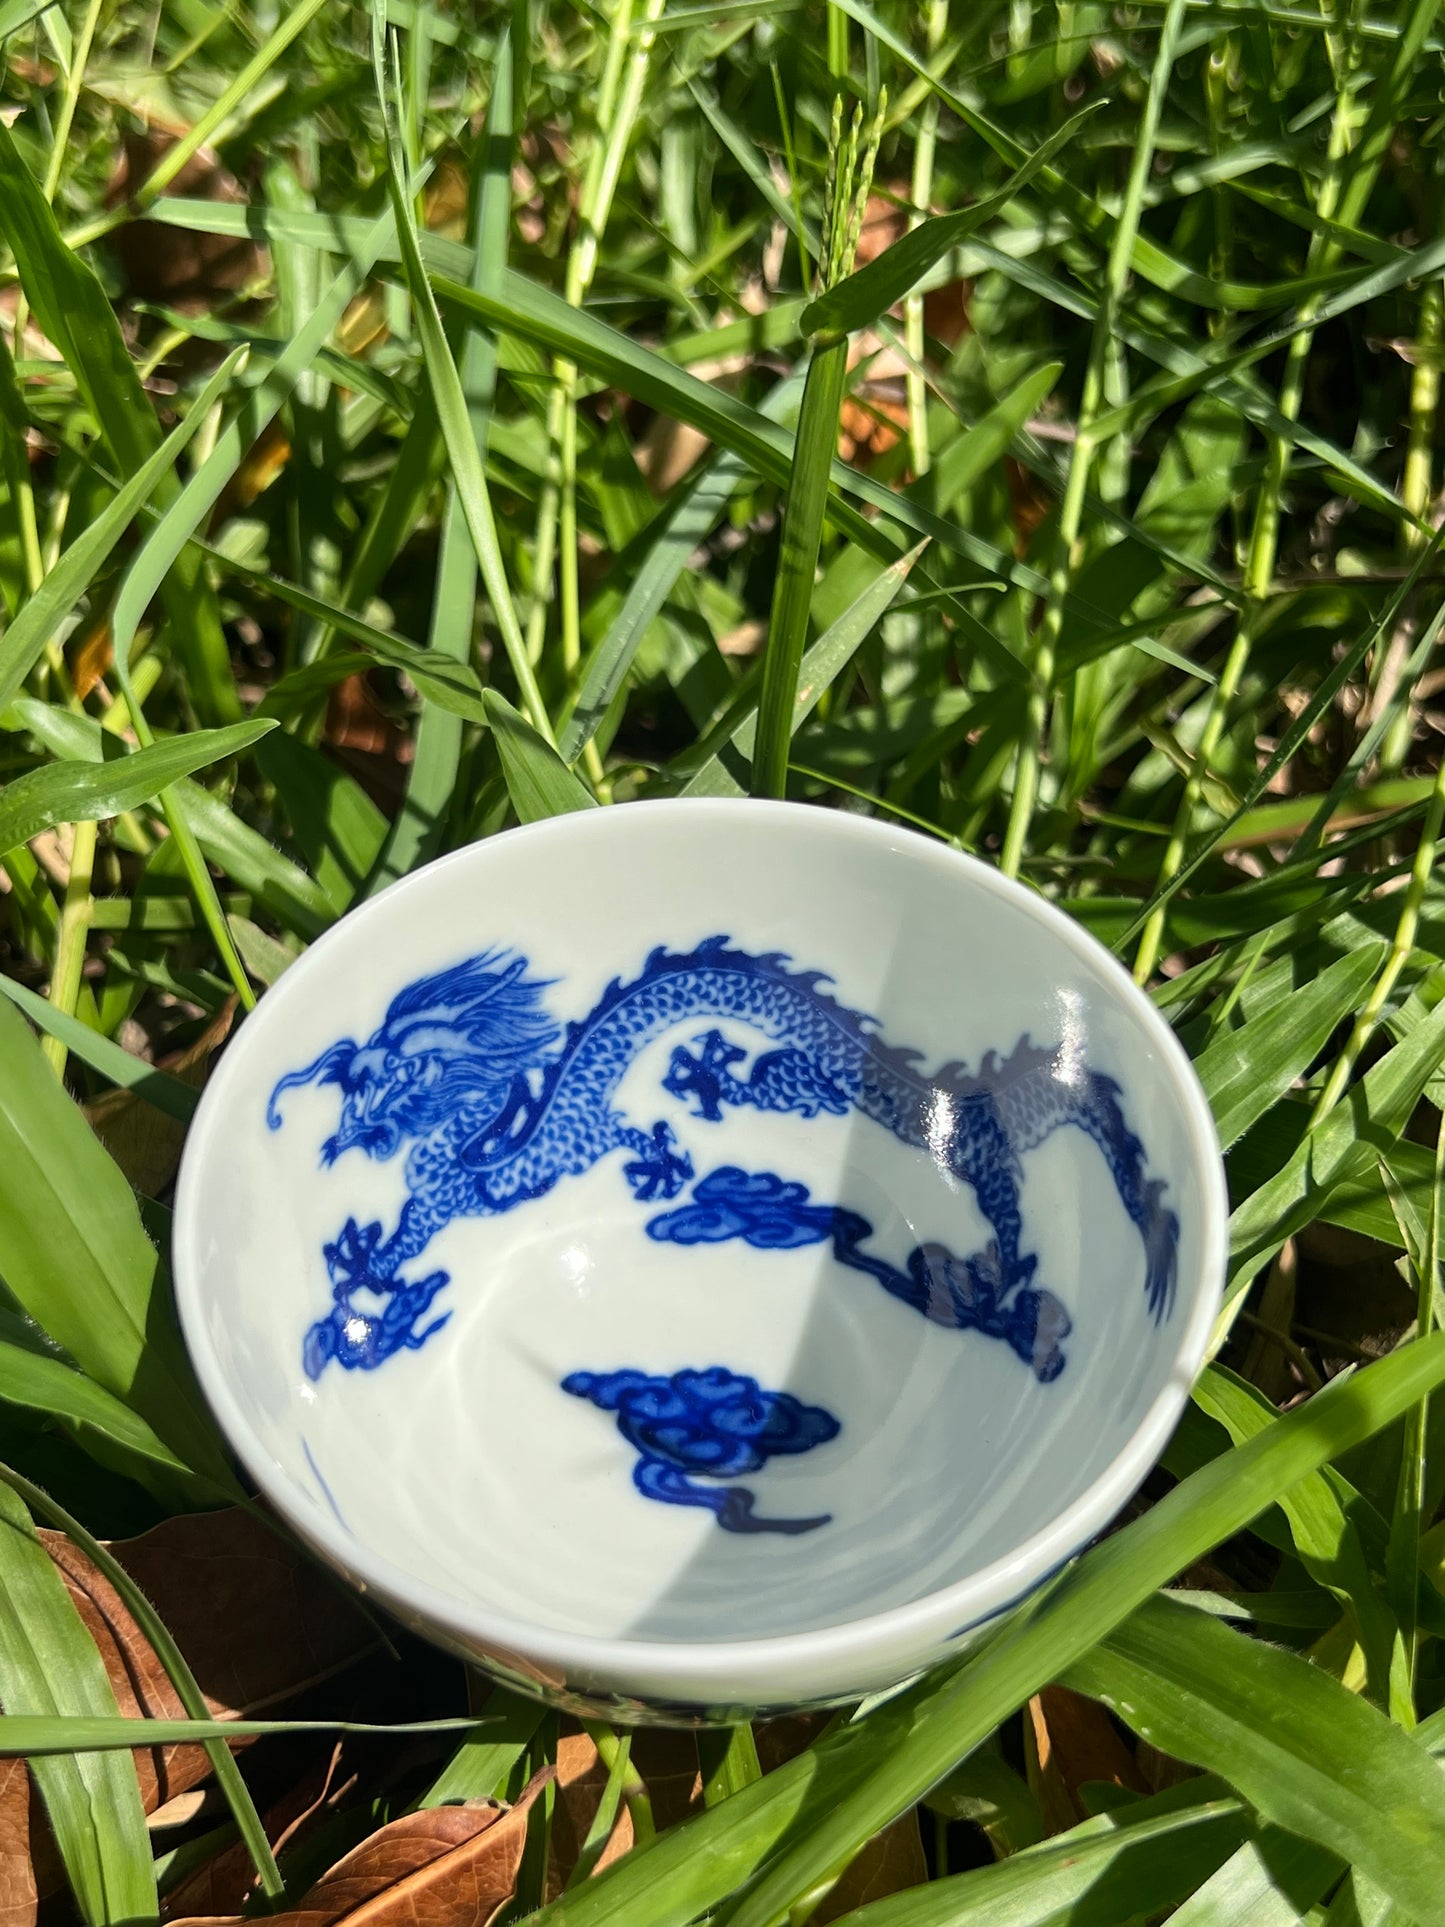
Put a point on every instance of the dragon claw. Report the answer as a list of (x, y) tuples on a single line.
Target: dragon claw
[(702, 1076), (351, 1261), (361, 1340), (659, 1172)]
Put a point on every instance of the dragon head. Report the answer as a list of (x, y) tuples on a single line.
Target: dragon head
[(456, 1041)]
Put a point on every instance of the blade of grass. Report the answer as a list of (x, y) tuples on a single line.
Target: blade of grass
[(728, 1761), (1324, 1536), (420, 824), (468, 471), (1335, 1148), (1308, 1754), (535, 313), (51, 1735), (41, 1382), (73, 310), (538, 781), (822, 665), (619, 1774), (286, 892), (128, 1072), (25, 640), (1120, 1866), (75, 792), (1402, 1569), (1245, 1071), (177, 1671), (863, 296), (699, 506), (1290, 741), (788, 1832), (75, 1257), (174, 160), (50, 1670), (170, 539), (482, 1764), (619, 100), (1069, 538), (814, 449), (817, 437)]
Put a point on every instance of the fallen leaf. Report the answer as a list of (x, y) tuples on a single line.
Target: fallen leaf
[(91, 653), (443, 1867), (367, 743), (891, 1863), (444, 199), (224, 1884), (263, 461), (17, 1877), (667, 450), (365, 324), (1071, 1741), (1267, 1362), (256, 1621), (191, 271), (1029, 502), (664, 1759), (581, 1779), (145, 1142)]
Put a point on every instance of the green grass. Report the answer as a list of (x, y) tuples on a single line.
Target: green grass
[(486, 464)]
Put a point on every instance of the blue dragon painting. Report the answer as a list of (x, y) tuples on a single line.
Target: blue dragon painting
[(497, 1105)]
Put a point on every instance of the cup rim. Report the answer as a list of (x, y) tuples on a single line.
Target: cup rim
[(857, 1645)]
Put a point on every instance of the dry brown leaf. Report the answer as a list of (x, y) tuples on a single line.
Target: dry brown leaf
[(366, 742), (444, 1867), (190, 271), (145, 1142), (227, 1880), (1267, 1361), (365, 324), (1029, 502), (263, 461), (664, 1760), (256, 1621), (891, 1863), (444, 199), (17, 1876), (1070, 1741), (91, 652), (581, 1778), (782, 1739), (667, 450)]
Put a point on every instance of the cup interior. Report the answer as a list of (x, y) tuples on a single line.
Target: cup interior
[(698, 1224)]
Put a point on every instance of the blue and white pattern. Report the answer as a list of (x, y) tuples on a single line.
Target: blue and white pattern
[(714, 1424), (496, 1105)]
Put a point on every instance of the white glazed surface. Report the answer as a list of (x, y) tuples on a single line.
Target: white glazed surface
[(496, 1512)]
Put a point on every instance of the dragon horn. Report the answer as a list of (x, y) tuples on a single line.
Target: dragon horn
[(322, 1070), (501, 979)]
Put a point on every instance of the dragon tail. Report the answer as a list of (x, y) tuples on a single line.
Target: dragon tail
[(1035, 1092)]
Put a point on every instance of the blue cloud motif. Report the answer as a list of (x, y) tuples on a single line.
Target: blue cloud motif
[(977, 1293), (713, 1424), (766, 1211)]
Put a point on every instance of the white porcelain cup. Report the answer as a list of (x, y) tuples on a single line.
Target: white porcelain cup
[(697, 1259)]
